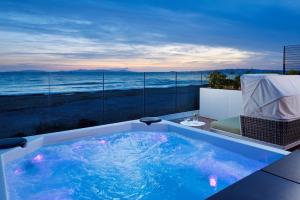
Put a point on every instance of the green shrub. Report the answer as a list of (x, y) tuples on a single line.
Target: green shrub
[(219, 80), (237, 83), (293, 72)]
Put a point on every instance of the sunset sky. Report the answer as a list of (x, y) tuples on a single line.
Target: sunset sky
[(146, 35)]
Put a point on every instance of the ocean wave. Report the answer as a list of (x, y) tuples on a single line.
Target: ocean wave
[(15, 84)]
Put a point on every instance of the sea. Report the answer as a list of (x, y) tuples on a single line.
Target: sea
[(21, 83), (39, 82)]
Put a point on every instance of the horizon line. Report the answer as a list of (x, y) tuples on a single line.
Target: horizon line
[(127, 70)]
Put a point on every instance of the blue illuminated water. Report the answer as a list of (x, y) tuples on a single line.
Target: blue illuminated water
[(131, 165)]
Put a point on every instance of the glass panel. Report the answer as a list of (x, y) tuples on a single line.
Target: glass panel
[(231, 74), (204, 78), (160, 93), (23, 103), (124, 98), (225, 79), (292, 59), (75, 100), (188, 84)]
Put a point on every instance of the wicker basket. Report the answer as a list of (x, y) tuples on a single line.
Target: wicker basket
[(277, 132)]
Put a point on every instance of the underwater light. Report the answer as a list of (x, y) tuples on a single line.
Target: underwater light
[(213, 181)]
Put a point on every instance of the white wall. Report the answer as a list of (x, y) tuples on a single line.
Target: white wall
[(220, 104)]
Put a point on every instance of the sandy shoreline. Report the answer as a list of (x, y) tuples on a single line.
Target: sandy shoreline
[(35, 114)]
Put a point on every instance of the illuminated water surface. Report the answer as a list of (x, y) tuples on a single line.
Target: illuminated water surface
[(130, 165)]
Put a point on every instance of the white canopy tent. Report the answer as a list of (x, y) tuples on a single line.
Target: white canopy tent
[(271, 96)]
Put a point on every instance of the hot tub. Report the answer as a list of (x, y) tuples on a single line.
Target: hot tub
[(129, 160)]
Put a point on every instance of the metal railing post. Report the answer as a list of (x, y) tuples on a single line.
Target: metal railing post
[(283, 70), (144, 96), (176, 92), (201, 79), (103, 97), (48, 98)]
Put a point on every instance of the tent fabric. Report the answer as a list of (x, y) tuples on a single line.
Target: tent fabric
[(271, 96)]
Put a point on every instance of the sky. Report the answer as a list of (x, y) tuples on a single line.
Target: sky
[(146, 35)]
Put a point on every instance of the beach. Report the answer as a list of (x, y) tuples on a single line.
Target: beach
[(23, 115)]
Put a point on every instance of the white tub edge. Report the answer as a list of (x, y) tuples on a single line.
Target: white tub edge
[(34, 142)]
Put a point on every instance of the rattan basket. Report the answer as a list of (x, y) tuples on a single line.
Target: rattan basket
[(276, 132)]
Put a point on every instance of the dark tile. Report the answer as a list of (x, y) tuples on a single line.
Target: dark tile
[(260, 186), (288, 167)]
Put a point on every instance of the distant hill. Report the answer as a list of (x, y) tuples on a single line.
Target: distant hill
[(71, 71), (125, 70), (245, 71)]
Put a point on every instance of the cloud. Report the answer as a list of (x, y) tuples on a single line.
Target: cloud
[(16, 17), (70, 52), (139, 34)]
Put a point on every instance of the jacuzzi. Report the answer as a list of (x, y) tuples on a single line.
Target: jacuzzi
[(129, 160)]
